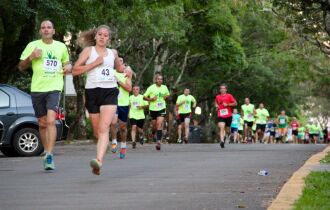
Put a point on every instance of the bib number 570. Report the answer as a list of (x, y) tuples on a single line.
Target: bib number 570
[(52, 63)]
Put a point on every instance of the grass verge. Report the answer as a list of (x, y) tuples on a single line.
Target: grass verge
[(316, 194), (326, 159)]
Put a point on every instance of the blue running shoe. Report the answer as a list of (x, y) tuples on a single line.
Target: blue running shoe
[(49, 162)]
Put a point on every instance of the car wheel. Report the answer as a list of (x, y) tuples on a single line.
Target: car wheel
[(27, 142), (9, 151)]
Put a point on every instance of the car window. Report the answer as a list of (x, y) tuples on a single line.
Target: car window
[(4, 99)]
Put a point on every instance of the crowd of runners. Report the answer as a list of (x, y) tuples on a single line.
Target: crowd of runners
[(255, 125), (110, 105)]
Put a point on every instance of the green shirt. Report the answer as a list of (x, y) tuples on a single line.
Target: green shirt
[(160, 92), (282, 121), (134, 111), (241, 124), (314, 129), (262, 115), (186, 106), (301, 130), (248, 112), (48, 69), (123, 96)]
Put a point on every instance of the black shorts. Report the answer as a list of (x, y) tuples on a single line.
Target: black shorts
[(233, 130), (122, 112), (313, 135), (249, 124), (226, 120), (261, 127), (182, 117), (295, 132), (155, 114), (139, 123), (97, 97), (43, 101), (272, 133)]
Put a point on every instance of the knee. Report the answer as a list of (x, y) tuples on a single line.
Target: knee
[(123, 127), (42, 123), (159, 125), (51, 122), (134, 128), (103, 129)]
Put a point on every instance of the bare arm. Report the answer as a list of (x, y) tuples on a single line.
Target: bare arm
[(24, 64), (80, 67), (150, 99), (127, 85)]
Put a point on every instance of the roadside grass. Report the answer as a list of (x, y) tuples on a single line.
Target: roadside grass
[(326, 159), (316, 194)]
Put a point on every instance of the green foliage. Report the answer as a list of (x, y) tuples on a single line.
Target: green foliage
[(241, 43), (316, 192), (326, 159)]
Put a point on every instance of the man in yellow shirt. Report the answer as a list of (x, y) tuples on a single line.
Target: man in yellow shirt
[(157, 95), (50, 61), (183, 105)]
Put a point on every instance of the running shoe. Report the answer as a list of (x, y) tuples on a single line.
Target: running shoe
[(113, 147), (96, 166), (134, 145), (141, 140), (122, 153), (49, 162), (158, 145), (222, 144), (179, 141)]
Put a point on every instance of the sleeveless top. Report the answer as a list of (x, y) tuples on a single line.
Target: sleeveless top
[(102, 76)]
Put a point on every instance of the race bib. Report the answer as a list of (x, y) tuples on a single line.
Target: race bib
[(223, 112), (282, 121), (250, 116), (105, 74), (160, 104), (52, 65), (186, 106), (135, 104)]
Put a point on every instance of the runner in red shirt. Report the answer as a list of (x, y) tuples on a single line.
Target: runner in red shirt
[(223, 102), (294, 126)]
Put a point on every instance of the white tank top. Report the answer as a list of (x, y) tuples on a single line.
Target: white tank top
[(102, 76)]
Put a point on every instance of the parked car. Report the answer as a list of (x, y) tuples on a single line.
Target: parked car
[(19, 130)]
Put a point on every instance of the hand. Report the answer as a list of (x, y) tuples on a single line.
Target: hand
[(35, 54), (128, 72), (225, 104), (153, 98), (67, 69), (99, 60)]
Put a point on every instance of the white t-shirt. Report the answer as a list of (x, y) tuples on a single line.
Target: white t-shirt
[(102, 76)]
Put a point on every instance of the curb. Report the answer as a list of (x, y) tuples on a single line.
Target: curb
[(293, 188)]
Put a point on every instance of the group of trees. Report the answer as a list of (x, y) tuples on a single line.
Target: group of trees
[(266, 50)]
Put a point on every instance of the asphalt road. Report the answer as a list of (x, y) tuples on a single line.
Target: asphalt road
[(193, 176)]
